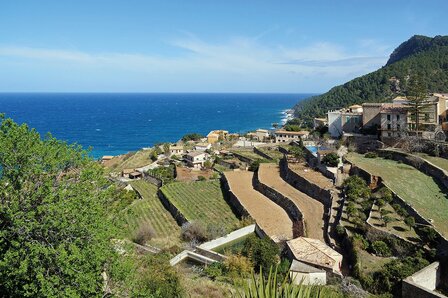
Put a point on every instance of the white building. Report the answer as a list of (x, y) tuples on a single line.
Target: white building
[(197, 159), (393, 120), (202, 146), (301, 273), (284, 136)]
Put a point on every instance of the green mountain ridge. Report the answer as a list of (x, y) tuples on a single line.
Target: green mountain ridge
[(420, 54)]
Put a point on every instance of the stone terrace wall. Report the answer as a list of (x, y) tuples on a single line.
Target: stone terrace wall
[(178, 216), (232, 199), (153, 180), (243, 158), (322, 195), (399, 200), (418, 163), (259, 152), (287, 204)]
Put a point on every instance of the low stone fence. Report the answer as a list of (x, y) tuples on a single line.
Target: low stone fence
[(304, 185), (419, 163), (311, 159), (178, 216), (286, 203)]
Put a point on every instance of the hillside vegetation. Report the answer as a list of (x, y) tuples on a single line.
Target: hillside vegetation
[(421, 55)]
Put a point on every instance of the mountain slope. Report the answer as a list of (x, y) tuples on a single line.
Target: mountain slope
[(420, 54)]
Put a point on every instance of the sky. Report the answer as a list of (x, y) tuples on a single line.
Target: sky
[(203, 46)]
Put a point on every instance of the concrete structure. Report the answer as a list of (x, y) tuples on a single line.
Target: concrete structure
[(216, 135), (355, 109), (233, 236), (135, 175), (344, 120), (197, 159), (177, 150), (315, 253), (423, 283), (284, 136), (393, 120), (202, 146), (301, 273)]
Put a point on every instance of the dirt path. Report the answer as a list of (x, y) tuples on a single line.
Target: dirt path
[(312, 210), (268, 215)]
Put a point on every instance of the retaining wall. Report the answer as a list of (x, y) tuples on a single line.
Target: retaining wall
[(287, 204), (243, 158), (232, 199), (259, 152), (419, 163), (178, 216), (398, 200), (322, 195)]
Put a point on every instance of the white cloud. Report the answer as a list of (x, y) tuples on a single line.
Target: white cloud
[(238, 64)]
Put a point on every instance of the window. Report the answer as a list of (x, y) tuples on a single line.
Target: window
[(389, 134), (398, 117), (398, 126), (388, 117), (388, 126)]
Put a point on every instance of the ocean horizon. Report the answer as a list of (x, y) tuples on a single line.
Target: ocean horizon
[(117, 123)]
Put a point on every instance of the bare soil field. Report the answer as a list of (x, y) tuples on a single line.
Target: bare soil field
[(312, 210), (187, 174), (268, 215), (310, 174)]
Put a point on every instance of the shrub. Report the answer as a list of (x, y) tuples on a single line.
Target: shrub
[(201, 178), (331, 159), (193, 231), (263, 253), (371, 155), (381, 249), (238, 265), (214, 270), (143, 234), (340, 230), (409, 221), (215, 231), (360, 242)]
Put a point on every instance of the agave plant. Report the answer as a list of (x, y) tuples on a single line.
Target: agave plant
[(261, 287)]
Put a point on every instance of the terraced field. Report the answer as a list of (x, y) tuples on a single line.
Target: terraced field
[(274, 221), (201, 201), (130, 160), (248, 154), (419, 190), (438, 161), (312, 210), (149, 211)]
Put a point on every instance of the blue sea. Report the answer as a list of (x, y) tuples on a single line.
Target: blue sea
[(114, 123)]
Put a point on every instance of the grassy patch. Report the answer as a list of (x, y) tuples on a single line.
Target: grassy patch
[(438, 161), (130, 160), (249, 154), (201, 201), (419, 190), (149, 211), (370, 263), (397, 227)]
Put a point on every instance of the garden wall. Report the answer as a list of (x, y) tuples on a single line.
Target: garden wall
[(153, 180), (243, 158), (291, 209), (178, 216)]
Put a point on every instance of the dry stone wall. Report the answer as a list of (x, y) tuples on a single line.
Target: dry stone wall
[(287, 204)]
